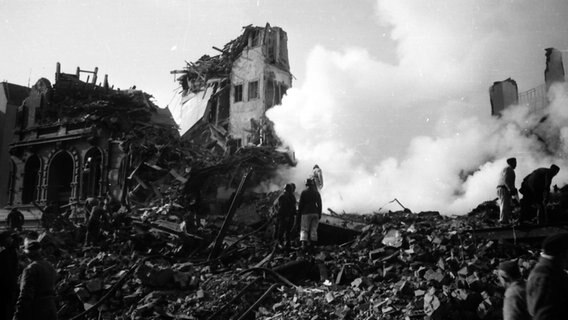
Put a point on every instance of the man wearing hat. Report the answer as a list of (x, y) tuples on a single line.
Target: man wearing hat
[(37, 287), (515, 302), (8, 275), (285, 216), (506, 191), (310, 211), (535, 189), (547, 286)]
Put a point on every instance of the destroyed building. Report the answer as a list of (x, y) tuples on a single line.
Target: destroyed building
[(76, 139), (11, 96), (505, 93), (224, 98)]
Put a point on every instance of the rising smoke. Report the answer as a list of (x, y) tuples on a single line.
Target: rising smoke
[(420, 130)]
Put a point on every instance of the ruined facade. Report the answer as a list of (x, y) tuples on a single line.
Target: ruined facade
[(224, 98), (505, 93), (11, 97), (73, 140)]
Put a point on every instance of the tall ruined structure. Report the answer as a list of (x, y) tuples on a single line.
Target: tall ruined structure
[(75, 139), (224, 98)]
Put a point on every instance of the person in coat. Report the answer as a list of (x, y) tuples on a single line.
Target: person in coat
[(310, 210), (514, 302), (547, 285), (8, 275), (535, 189), (37, 288), (285, 216), (506, 191), (15, 219)]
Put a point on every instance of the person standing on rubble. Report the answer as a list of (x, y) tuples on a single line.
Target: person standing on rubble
[(536, 190), (15, 219), (97, 218), (317, 177), (310, 211), (547, 286), (515, 302), (506, 191), (8, 275), (37, 287), (285, 216)]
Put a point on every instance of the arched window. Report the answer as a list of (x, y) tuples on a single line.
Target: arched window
[(92, 168), (31, 179), (60, 176)]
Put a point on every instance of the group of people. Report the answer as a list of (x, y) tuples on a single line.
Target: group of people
[(544, 294), (34, 296), (306, 215), (535, 189)]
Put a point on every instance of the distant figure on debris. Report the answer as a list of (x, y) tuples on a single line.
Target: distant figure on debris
[(97, 219), (317, 176), (310, 211), (49, 215), (547, 286), (15, 220), (506, 191), (285, 216), (8, 275), (515, 302), (37, 287), (535, 190)]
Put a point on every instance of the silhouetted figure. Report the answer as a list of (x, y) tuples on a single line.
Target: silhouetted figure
[(547, 286), (97, 219), (8, 275), (37, 288), (536, 190), (285, 216), (310, 210), (50, 215), (515, 302), (15, 220), (506, 191)]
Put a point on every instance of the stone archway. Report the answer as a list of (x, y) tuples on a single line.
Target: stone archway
[(60, 177), (92, 173), (31, 179)]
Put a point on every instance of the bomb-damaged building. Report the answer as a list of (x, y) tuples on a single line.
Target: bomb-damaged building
[(223, 98), (76, 139)]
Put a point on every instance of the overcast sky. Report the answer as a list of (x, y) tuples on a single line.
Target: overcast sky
[(389, 95)]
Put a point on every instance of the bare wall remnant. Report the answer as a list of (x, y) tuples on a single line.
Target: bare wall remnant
[(503, 94), (554, 71), (223, 98)]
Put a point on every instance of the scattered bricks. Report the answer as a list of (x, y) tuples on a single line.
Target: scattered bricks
[(356, 283), (329, 297), (94, 285), (375, 254), (82, 293), (433, 275)]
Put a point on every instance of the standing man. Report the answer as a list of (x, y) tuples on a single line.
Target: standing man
[(547, 286), (310, 211), (37, 288), (515, 302), (536, 190), (317, 177), (15, 220), (506, 191), (285, 216), (8, 275)]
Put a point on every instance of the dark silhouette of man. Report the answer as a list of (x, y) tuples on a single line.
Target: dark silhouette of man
[(37, 288), (8, 275), (535, 189), (15, 219), (547, 286)]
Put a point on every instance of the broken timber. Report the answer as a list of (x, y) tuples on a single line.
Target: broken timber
[(232, 209), (519, 232)]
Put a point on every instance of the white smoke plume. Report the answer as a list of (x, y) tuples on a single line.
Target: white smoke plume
[(420, 130)]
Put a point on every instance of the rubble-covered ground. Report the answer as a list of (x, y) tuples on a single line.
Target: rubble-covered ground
[(401, 266)]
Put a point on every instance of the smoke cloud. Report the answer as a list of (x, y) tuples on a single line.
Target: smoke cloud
[(420, 130)]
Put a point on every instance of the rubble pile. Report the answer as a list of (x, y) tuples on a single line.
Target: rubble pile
[(401, 266)]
